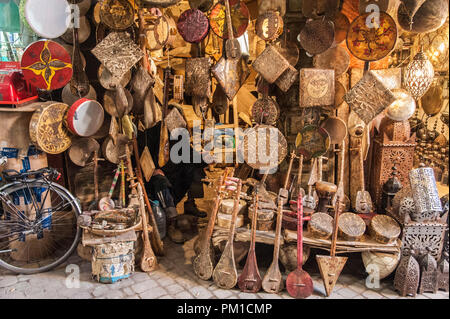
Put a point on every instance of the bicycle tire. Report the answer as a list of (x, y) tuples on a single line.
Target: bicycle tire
[(11, 187)]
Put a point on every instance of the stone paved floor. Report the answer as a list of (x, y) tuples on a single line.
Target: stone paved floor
[(175, 279)]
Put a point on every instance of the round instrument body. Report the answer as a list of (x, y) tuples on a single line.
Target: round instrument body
[(317, 36), (117, 14), (49, 20), (269, 25), (312, 141), (47, 130), (69, 49), (341, 24), (85, 117), (112, 152), (422, 16), (265, 111), (336, 129), (403, 107), (351, 227), (83, 32), (384, 229), (264, 141), (371, 41), (109, 103), (386, 263), (240, 18), (193, 25), (106, 203), (69, 98), (161, 33), (84, 6), (321, 225), (299, 284), (335, 58), (82, 150), (46, 65), (108, 81)]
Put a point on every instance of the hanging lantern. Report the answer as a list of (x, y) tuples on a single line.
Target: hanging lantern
[(418, 75)]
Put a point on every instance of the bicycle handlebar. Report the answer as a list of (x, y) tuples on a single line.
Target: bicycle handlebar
[(12, 174)]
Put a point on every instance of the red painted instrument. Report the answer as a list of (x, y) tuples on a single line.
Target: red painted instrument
[(299, 283), (46, 65), (85, 117)]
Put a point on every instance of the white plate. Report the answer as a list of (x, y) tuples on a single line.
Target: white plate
[(49, 18)]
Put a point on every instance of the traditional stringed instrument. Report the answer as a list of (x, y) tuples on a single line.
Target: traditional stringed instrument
[(163, 154), (225, 273), (204, 262), (250, 279), (299, 283), (273, 280), (331, 266)]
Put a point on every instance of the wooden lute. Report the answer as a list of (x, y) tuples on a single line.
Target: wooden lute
[(273, 280), (79, 84), (163, 154), (299, 283), (331, 266), (225, 273), (204, 262), (363, 203), (250, 279)]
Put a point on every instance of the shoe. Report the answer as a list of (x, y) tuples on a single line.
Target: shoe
[(191, 209), (175, 235)]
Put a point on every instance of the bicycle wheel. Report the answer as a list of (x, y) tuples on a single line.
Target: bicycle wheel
[(38, 226)]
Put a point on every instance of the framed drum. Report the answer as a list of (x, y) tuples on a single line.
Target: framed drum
[(49, 20), (373, 40), (193, 25), (160, 31), (264, 147), (46, 65), (117, 14), (240, 19), (47, 130), (312, 141), (85, 117)]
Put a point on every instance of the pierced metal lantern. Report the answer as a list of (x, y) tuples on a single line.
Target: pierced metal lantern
[(418, 75), (406, 280), (429, 274), (443, 273), (390, 188)]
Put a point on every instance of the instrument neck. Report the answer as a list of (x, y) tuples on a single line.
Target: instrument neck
[(299, 232)]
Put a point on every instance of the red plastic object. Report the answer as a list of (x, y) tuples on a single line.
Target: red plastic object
[(13, 87)]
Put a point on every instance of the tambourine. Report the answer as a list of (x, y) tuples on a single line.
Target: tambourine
[(161, 32), (312, 141), (373, 40), (47, 130), (85, 117), (193, 25), (117, 14), (240, 18), (269, 26), (46, 65), (49, 20)]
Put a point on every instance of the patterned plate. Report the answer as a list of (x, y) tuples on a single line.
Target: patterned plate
[(369, 41), (240, 18), (46, 65), (117, 14)]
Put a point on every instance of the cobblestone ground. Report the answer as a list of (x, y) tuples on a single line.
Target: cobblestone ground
[(175, 279)]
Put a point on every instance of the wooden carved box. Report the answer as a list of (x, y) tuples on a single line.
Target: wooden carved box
[(316, 87), (393, 145)]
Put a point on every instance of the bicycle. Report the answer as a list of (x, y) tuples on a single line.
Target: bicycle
[(38, 221)]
